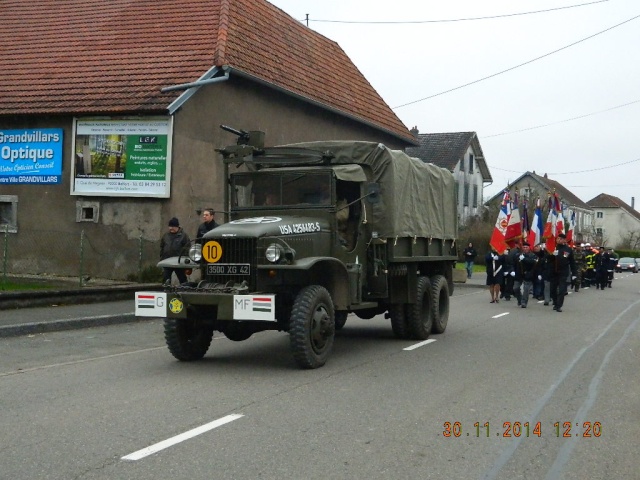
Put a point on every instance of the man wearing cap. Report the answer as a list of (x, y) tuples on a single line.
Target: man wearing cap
[(173, 243), (562, 265)]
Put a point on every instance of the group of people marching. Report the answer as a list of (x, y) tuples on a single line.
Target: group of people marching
[(526, 271)]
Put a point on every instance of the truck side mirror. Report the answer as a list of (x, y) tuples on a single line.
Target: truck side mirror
[(373, 193)]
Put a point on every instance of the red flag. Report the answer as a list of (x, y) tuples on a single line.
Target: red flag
[(549, 233), (497, 237)]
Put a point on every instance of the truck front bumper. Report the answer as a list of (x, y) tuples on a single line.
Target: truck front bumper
[(229, 306)]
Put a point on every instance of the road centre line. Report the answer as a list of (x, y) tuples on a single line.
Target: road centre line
[(155, 448), (418, 345)]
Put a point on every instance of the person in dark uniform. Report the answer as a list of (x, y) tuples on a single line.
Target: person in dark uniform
[(493, 262), (561, 266), (602, 263), (526, 271)]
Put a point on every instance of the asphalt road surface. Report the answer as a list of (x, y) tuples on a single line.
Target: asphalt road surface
[(504, 393)]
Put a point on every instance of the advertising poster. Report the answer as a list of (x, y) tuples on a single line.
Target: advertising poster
[(31, 156), (122, 157)]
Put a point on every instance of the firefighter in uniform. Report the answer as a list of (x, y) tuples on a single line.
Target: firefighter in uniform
[(590, 265)]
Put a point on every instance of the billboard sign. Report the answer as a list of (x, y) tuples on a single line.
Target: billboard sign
[(122, 157), (31, 156)]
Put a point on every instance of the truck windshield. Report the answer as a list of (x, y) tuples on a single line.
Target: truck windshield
[(292, 189)]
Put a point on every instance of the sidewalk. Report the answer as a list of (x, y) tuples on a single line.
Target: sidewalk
[(51, 310), (67, 306)]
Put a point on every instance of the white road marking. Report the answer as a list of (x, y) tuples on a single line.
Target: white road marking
[(418, 345), (500, 315), (145, 452)]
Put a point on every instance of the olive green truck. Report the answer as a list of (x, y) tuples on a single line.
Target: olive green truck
[(316, 231)]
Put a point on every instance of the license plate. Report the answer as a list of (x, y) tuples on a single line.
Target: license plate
[(229, 269)]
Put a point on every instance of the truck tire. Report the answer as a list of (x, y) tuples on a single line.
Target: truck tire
[(341, 318), (188, 340), (312, 327), (420, 314), (439, 303), (399, 325)]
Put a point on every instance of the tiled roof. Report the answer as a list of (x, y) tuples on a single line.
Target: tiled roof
[(447, 149), (92, 57), (609, 201), (546, 184)]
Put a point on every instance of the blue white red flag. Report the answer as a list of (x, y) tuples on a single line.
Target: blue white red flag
[(535, 234)]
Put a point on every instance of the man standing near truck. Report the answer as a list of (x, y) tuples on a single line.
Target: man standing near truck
[(208, 215), (469, 257)]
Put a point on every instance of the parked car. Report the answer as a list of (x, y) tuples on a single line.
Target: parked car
[(627, 264)]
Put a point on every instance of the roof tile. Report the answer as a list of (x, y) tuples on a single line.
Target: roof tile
[(89, 56)]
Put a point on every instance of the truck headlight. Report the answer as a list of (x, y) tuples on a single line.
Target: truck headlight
[(195, 252), (273, 252)]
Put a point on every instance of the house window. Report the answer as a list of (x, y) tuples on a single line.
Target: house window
[(598, 232), (599, 215), (465, 200), (8, 213), (471, 163), (475, 196)]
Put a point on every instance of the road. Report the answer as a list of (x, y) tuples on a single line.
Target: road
[(86, 404)]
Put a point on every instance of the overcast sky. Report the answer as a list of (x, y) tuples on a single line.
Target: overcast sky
[(593, 79)]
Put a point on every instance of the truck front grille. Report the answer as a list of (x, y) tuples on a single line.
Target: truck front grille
[(239, 252)]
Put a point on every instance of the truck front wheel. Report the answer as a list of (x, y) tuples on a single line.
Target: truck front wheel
[(420, 314), (312, 327), (187, 340)]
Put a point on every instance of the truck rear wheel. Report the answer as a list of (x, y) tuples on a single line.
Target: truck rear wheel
[(399, 324), (312, 327), (187, 340), (440, 303), (420, 314)]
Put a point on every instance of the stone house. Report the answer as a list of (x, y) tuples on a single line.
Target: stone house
[(110, 115)]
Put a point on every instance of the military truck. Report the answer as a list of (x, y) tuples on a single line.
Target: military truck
[(316, 231)]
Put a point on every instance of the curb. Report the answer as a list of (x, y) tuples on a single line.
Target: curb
[(43, 298), (69, 324)]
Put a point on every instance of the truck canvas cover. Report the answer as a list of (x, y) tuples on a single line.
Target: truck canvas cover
[(416, 198)]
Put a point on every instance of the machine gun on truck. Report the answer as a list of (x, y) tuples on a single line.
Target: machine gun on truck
[(316, 231)]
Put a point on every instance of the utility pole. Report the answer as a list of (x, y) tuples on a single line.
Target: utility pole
[(307, 15)]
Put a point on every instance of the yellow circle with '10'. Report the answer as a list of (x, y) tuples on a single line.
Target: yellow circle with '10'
[(212, 251)]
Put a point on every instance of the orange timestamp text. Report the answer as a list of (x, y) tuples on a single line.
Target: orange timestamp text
[(522, 429)]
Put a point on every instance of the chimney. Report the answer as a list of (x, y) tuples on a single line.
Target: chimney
[(633, 202), (414, 131)]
